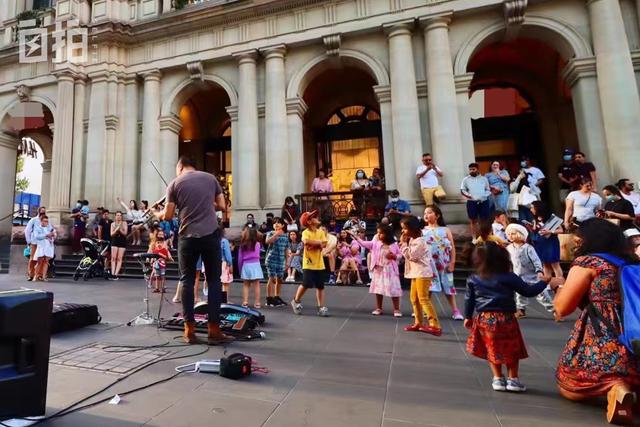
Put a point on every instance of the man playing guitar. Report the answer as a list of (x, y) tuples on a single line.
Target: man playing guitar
[(197, 196)]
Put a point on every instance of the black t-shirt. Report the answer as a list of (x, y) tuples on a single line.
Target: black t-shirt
[(568, 171), (621, 206), (106, 229), (585, 169)]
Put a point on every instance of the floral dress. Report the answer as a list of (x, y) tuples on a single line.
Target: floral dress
[(441, 248), (592, 363), (385, 279)]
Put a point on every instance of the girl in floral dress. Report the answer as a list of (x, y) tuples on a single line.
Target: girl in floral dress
[(351, 260), (294, 257), (385, 280), (443, 253), (594, 362)]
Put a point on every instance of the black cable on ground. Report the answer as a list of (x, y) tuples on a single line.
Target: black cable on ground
[(72, 408)]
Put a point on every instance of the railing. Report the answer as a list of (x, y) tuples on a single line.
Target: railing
[(370, 204)]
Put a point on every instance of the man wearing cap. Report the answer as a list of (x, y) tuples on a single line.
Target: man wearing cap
[(314, 240), (396, 209), (567, 174)]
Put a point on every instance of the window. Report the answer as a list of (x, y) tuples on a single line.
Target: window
[(43, 4)]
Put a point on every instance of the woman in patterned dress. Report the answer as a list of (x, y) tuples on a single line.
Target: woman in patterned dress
[(594, 363), (443, 252)]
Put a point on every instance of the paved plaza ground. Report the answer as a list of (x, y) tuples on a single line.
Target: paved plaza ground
[(350, 369)]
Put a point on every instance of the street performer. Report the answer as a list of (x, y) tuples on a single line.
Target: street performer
[(197, 196)]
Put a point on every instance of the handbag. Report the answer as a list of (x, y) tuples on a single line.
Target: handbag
[(27, 251), (525, 197)]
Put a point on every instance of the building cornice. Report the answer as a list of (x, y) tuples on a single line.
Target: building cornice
[(577, 69)]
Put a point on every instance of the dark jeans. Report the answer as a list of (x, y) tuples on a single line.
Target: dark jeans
[(189, 250), (78, 234)]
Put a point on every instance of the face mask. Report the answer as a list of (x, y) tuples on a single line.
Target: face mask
[(78, 205), (289, 203), (394, 200), (473, 173), (523, 164), (566, 158), (611, 198), (360, 176)]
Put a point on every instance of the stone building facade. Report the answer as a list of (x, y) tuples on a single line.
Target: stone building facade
[(251, 87)]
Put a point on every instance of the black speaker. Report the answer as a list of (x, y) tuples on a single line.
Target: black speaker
[(25, 332)]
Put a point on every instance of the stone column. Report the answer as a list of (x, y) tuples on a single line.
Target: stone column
[(296, 109), (151, 187), (444, 125), (62, 145), (276, 121), (109, 155), (580, 75), (8, 157), (383, 95), (79, 148), (20, 6), (247, 173), (130, 138), (464, 115), (405, 115), (45, 184), (96, 139), (166, 6), (169, 142), (232, 110), (617, 87)]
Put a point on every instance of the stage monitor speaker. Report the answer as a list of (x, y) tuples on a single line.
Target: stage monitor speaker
[(25, 332)]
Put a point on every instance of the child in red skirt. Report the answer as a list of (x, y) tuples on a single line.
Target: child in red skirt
[(495, 335)]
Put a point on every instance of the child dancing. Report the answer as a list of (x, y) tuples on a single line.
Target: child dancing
[(417, 267), (495, 335), (249, 265), (275, 261), (385, 280)]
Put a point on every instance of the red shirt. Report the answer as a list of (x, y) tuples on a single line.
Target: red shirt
[(164, 252)]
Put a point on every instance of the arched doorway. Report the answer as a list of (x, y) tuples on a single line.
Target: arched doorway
[(523, 106), (206, 132), (25, 161), (342, 127)]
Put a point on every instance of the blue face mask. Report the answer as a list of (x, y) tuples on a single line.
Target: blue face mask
[(360, 176), (567, 158), (523, 164), (611, 198)]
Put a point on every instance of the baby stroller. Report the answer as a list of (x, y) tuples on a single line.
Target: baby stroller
[(92, 263)]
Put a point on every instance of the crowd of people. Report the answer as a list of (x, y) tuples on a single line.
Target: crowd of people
[(515, 255)]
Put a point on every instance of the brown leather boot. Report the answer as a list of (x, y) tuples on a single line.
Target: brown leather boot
[(215, 336), (189, 335)]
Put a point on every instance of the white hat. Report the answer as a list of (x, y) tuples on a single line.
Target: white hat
[(631, 232), (518, 229)]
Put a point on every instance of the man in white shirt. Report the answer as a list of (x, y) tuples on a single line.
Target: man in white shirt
[(535, 177), (428, 174), (627, 189), (28, 231), (475, 188)]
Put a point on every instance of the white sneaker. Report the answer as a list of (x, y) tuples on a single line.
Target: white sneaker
[(499, 384), (296, 306), (176, 300), (514, 384), (323, 312), (457, 315)]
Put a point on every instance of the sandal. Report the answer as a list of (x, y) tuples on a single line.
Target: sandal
[(377, 312), (397, 313), (412, 328), (156, 291), (257, 305), (245, 304)]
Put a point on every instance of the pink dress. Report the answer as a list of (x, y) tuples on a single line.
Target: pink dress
[(385, 276), (385, 279)]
